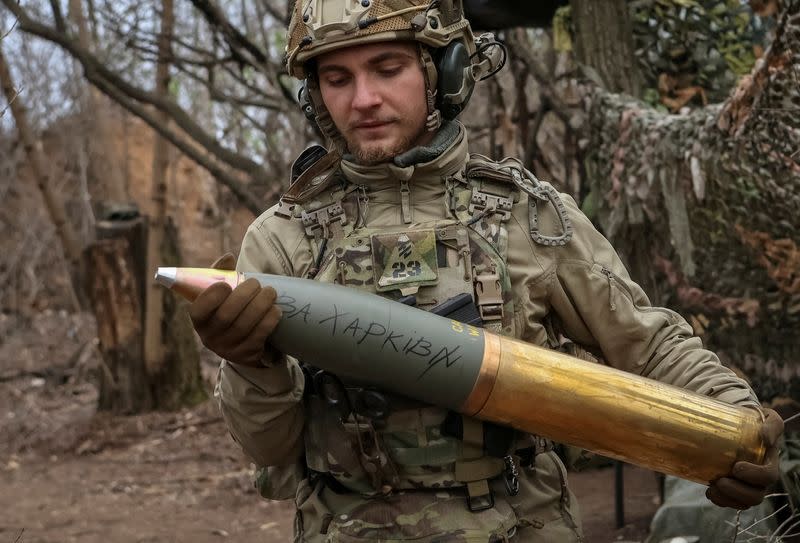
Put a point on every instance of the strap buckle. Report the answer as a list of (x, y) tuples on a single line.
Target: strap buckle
[(489, 296), (479, 496), (483, 201), (319, 222)]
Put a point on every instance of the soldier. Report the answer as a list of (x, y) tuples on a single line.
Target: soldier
[(401, 208)]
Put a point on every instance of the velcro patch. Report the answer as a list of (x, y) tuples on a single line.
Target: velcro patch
[(404, 259)]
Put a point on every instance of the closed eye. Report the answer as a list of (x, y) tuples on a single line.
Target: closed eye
[(336, 81), (389, 71)]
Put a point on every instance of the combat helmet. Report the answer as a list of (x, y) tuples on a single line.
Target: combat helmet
[(452, 59)]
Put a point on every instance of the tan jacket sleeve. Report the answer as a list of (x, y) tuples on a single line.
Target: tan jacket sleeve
[(263, 407), (598, 305)]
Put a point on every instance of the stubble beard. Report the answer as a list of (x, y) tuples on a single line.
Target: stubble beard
[(372, 155)]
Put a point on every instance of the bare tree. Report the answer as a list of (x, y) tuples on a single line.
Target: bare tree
[(236, 74), (15, 91), (107, 175), (70, 243), (610, 52)]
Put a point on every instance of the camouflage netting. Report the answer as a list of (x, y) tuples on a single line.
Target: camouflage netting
[(689, 52), (695, 50), (706, 208)]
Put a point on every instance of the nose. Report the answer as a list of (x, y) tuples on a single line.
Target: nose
[(366, 94)]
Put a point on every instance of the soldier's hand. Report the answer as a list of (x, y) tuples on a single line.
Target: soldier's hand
[(235, 323), (748, 483)]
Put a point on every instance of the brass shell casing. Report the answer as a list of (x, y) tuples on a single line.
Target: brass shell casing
[(493, 378), (614, 413)]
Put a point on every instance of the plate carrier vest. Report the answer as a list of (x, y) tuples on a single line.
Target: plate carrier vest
[(463, 257)]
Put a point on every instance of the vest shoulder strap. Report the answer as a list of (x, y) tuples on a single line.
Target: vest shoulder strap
[(312, 172)]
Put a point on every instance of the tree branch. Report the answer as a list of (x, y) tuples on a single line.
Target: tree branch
[(15, 93), (248, 199), (58, 17), (102, 77), (237, 41)]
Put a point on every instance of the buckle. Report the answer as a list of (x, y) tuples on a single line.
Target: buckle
[(480, 503), (489, 296), (483, 201), (320, 221)]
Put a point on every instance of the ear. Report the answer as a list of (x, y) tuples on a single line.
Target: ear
[(456, 81)]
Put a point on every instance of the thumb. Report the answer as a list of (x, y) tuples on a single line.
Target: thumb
[(772, 427), (225, 262)]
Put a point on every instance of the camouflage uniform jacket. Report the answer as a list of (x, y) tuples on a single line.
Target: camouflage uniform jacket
[(582, 286)]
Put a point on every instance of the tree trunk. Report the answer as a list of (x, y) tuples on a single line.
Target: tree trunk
[(171, 356), (178, 382), (604, 42), (107, 175), (154, 349), (55, 206)]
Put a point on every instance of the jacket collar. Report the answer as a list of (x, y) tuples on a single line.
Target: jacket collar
[(424, 169)]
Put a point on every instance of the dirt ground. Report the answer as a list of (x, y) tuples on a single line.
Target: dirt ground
[(70, 474)]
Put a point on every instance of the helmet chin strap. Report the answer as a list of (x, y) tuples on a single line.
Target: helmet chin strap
[(431, 75), (434, 119)]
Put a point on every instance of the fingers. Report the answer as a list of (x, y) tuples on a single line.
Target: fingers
[(250, 319), (233, 306), (236, 323), (755, 475), (717, 497), (268, 323), (251, 351), (747, 484), (729, 492), (772, 427), (207, 303)]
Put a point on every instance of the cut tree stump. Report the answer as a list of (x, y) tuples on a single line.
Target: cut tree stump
[(115, 292)]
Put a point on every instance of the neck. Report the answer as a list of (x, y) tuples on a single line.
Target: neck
[(427, 148)]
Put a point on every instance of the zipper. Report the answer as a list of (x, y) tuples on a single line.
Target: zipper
[(614, 280), (610, 276), (362, 201)]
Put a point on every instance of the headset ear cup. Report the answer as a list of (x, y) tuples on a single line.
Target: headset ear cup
[(304, 100), (455, 80)]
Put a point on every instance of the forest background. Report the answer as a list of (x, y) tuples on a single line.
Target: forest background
[(138, 134)]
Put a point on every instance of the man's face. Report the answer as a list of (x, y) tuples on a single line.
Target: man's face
[(375, 95)]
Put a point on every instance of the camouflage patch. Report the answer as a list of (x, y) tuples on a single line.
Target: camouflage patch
[(350, 264), (404, 259)]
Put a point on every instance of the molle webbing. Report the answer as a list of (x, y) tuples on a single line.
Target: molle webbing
[(475, 468)]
